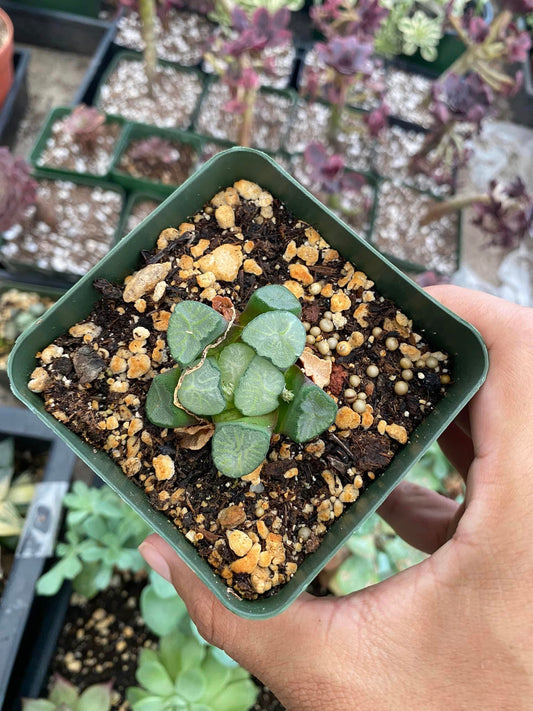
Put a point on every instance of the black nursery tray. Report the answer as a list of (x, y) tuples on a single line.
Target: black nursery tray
[(38, 537)]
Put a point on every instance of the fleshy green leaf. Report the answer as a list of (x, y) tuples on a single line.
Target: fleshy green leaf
[(162, 587), (38, 705), (161, 614), (65, 569), (310, 412), (239, 448), (160, 406), (192, 654), (95, 527), (200, 390), (218, 675), (191, 684), (258, 390), (273, 297), (237, 696), (276, 335), (191, 327), (232, 362), (140, 700), (95, 698), (353, 574), (63, 692), (170, 652), (154, 677)]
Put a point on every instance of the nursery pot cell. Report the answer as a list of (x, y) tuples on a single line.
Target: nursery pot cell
[(443, 329)]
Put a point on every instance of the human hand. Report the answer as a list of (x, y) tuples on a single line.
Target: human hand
[(453, 632)]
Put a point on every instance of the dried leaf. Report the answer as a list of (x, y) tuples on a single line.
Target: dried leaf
[(318, 369), (224, 306), (195, 436)]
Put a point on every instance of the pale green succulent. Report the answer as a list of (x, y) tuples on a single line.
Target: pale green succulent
[(421, 33), (185, 674), (223, 8), (375, 552), (64, 696), (103, 533), (415, 25), (15, 496)]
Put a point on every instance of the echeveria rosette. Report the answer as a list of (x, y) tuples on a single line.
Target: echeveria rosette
[(238, 376), (506, 214), (84, 124), (329, 171), (154, 150), (64, 696), (18, 190), (260, 31), (344, 18), (185, 674), (461, 98), (421, 32), (346, 55)]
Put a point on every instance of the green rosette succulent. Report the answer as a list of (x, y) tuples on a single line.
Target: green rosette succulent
[(185, 674), (240, 375), (64, 696)]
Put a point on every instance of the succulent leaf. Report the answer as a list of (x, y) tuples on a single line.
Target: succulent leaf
[(258, 391), (160, 407), (200, 390), (95, 698), (276, 335), (155, 678), (309, 413), (273, 297), (239, 448), (192, 326), (161, 614), (232, 362), (191, 685)]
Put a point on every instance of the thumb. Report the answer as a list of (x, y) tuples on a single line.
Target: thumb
[(264, 647)]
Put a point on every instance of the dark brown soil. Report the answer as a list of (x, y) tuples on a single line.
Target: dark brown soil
[(70, 229), (170, 164), (101, 638), (140, 210), (94, 157), (99, 390)]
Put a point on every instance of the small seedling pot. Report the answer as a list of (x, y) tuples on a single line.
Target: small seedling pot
[(40, 145), (138, 131), (37, 540), (445, 330), (64, 278)]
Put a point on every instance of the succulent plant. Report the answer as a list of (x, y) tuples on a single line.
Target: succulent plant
[(185, 674), (163, 611), (63, 696), (18, 190), (505, 212), (375, 552), (421, 33), (84, 124), (153, 151), (102, 534), (15, 496), (345, 18), (241, 376), (329, 172), (223, 8), (239, 59)]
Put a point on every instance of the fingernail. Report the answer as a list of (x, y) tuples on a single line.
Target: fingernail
[(155, 560)]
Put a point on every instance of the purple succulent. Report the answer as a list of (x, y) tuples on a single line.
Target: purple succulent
[(262, 30), (329, 171), (518, 44), (153, 151), (18, 190), (376, 120), (506, 214), (347, 55), (461, 98), (84, 124), (340, 18)]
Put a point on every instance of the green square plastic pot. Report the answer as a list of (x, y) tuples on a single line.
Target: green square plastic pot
[(128, 56), (56, 115), (444, 329), (23, 268), (133, 199), (136, 131)]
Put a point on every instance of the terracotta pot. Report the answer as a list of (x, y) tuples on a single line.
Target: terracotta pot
[(6, 58)]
